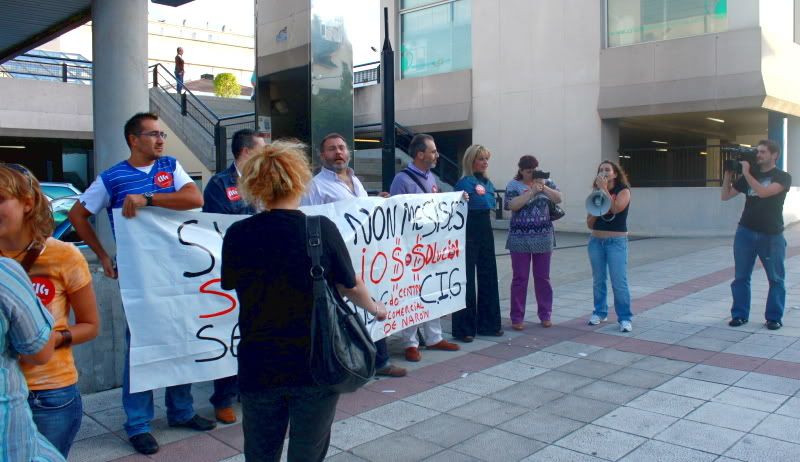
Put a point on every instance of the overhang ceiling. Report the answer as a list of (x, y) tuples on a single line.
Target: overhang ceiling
[(26, 24)]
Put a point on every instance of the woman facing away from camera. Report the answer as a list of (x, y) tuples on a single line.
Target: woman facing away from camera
[(264, 259), (608, 246), (531, 239), (482, 314), (61, 280)]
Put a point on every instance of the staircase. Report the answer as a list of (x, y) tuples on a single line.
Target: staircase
[(204, 123), (367, 163)]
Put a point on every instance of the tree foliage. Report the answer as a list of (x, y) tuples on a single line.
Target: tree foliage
[(226, 86)]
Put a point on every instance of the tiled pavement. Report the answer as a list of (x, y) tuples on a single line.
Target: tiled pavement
[(683, 386)]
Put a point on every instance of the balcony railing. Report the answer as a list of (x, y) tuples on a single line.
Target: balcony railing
[(40, 67)]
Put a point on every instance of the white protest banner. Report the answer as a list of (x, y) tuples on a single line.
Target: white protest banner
[(408, 249)]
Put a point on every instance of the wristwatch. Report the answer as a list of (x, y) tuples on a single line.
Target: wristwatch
[(148, 196), (66, 338)]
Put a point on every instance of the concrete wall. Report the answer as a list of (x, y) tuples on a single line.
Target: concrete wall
[(701, 73), (535, 84), (176, 148), (223, 52), (683, 212), (100, 361), (780, 56), (427, 104), (42, 109)]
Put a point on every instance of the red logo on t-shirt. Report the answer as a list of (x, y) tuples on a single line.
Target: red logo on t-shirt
[(163, 179), (233, 194), (44, 289), (435, 188), (480, 190)]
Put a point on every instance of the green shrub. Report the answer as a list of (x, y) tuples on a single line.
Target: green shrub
[(226, 86)]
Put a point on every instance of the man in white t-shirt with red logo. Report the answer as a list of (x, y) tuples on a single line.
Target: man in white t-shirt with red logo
[(146, 178)]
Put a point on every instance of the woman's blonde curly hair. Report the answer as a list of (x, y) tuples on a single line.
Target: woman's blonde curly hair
[(25, 188), (278, 171)]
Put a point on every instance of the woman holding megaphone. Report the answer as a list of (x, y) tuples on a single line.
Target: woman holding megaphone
[(607, 217)]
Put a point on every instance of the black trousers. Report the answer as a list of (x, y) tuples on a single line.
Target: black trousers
[(266, 414), (482, 313)]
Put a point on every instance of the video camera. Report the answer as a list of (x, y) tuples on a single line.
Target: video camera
[(540, 175), (738, 154)]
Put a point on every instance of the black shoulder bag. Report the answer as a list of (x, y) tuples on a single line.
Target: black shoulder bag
[(342, 352)]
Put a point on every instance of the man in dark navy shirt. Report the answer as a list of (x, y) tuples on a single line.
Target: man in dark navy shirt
[(222, 196), (760, 233)]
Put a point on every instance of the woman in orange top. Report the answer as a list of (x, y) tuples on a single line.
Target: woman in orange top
[(61, 280)]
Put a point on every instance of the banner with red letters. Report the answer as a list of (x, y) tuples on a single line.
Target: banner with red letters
[(408, 249)]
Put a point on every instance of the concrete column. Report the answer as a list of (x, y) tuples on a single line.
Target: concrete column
[(609, 144), (791, 157), (777, 126), (119, 49)]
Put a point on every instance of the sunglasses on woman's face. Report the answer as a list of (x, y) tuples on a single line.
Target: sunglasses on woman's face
[(20, 169)]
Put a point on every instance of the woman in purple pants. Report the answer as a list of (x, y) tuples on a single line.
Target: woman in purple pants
[(530, 239)]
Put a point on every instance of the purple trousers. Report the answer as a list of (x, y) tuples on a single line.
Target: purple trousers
[(521, 267)]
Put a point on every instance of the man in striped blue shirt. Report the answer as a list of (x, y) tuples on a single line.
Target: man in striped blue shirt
[(146, 178), (25, 335)]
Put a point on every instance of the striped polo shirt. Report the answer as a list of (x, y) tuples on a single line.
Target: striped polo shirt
[(123, 179)]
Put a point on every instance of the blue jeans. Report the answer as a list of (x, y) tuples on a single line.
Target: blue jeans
[(609, 256), (308, 413), (57, 414), (771, 250), (381, 354), (139, 406), (226, 390)]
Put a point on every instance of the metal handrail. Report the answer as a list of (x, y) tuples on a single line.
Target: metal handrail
[(170, 74), (410, 133), (237, 116)]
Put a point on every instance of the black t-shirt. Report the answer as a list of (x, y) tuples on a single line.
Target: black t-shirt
[(764, 215), (612, 221), (264, 258)]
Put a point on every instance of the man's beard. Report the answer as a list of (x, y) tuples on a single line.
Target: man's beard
[(336, 168)]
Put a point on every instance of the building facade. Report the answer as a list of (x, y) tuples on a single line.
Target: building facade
[(665, 87)]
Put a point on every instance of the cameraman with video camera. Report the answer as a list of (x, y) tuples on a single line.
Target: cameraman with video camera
[(760, 232)]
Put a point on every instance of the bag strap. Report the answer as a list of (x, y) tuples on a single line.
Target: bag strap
[(31, 255), (314, 249), (413, 176)]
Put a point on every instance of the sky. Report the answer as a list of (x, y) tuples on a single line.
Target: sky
[(238, 16)]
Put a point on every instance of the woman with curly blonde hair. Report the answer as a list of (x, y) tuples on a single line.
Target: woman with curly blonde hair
[(264, 259), (62, 281)]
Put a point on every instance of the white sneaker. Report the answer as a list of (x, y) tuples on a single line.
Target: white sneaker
[(595, 320), (625, 326)]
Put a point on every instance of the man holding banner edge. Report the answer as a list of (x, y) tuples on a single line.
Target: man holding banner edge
[(146, 178), (417, 178)]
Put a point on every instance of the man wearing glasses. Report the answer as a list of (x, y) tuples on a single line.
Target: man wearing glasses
[(146, 178)]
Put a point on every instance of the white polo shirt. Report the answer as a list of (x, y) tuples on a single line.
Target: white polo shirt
[(326, 187)]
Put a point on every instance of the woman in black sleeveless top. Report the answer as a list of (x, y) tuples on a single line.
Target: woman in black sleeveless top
[(608, 246)]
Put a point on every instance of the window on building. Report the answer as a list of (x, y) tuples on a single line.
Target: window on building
[(636, 21), (436, 36)]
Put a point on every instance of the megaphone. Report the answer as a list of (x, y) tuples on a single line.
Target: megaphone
[(598, 204)]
